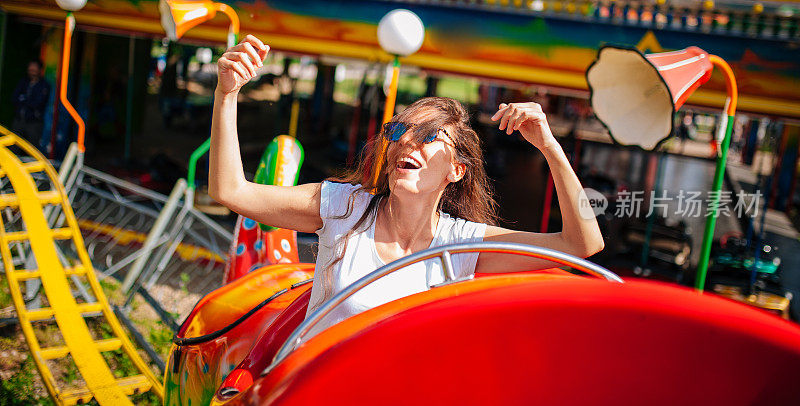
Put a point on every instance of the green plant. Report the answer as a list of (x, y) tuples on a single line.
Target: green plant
[(71, 373), (148, 398), (161, 338), (184, 281), (5, 295), (112, 290)]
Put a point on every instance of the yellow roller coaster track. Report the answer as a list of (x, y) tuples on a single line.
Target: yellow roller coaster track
[(101, 384)]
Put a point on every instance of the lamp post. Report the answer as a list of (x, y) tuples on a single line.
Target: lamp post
[(400, 33), (637, 95), (69, 27), (177, 17)]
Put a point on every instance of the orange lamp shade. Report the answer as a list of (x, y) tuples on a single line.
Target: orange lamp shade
[(179, 16), (636, 95)]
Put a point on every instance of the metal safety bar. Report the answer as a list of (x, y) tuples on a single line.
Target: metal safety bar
[(444, 254)]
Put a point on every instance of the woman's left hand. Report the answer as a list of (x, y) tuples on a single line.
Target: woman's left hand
[(529, 119)]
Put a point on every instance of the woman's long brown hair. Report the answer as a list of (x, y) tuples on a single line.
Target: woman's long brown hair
[(470, 198)]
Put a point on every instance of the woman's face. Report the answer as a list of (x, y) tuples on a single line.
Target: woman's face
[(422, 168)]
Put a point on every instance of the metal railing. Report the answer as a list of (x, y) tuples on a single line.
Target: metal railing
[(142, 237)]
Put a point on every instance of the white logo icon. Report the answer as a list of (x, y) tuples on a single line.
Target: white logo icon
[(591, 203)]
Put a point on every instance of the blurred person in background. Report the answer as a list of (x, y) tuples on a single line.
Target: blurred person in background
[(30, 101)]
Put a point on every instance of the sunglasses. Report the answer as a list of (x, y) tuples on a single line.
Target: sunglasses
[(393, 130)]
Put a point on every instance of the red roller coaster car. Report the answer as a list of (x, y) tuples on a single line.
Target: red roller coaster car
[(548, 337)]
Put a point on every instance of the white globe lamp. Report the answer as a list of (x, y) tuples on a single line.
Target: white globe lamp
[(71, 5), (400, 32)]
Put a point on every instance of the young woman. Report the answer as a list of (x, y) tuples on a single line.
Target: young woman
[(430, 190)]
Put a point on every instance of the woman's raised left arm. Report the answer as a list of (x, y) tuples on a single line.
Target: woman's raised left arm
[(580, 235)]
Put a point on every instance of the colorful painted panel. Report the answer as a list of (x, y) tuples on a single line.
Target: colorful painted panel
[(498, 43)]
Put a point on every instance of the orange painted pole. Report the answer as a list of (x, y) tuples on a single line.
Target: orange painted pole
[(388, 113), (730, 84), (233, 30), (68, 28)]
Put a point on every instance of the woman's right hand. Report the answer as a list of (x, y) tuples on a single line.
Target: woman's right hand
[(239, 63)]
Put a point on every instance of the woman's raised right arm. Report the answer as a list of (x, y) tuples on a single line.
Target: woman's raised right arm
[(295, 207)]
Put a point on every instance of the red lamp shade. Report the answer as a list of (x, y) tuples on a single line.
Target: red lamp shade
[(635, 95), (179, 16)]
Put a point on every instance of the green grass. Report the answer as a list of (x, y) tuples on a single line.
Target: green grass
[(21, 387), (148, 398), (5, 295), (161, 338), (112, 290), (70, 374), (18, 389), (184, 282)]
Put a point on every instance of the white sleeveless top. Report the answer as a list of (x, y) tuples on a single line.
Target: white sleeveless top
[(361, 257)]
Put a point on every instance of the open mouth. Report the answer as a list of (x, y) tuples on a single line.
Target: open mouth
[(408, 163)]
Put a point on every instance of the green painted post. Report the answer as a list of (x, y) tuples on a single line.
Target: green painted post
[(200, 151), (233, 38), (708, 236)]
